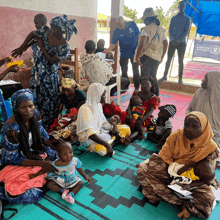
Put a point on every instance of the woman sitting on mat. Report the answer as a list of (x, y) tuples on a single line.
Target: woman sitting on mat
[(90, 120), (25, 143), (188, 145), (207, 101), (150, 103), (71, 97)]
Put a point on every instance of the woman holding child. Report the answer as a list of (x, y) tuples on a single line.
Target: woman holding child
[(207, 101), (187, 146), (44, 82), (71, 96), (90, 120), (149, 102), (25, 144)]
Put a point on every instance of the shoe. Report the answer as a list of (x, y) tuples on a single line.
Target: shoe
[(180, 81), (65, 192), (164, 78), (69, 199)]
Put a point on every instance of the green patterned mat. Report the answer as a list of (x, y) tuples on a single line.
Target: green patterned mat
[(112, 194)]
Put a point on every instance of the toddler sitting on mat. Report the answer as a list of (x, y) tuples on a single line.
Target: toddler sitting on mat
[(66, 180), (163, 126)]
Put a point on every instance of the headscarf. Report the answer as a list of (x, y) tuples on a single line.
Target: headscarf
[(179, 149), (96, 69), (30, 152), (67, 26), (207, 101), (68, 83), (20, 96), (90, 115)]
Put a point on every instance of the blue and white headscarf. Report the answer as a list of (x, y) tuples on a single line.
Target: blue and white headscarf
[(67, 26), (20, 96)]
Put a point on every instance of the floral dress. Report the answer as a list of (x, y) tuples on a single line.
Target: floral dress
[(12, 155), (44, 81)]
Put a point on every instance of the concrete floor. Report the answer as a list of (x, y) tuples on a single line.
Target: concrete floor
[(172, 76)]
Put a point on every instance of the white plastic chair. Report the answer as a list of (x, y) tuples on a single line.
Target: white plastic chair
[(118, 84)]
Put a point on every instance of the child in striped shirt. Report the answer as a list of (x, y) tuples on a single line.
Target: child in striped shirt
[(163, 127)]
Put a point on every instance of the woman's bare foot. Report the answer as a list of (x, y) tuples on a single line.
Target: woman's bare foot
[(185, 214)]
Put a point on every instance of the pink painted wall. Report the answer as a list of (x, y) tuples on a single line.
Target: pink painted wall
[(16, 24)]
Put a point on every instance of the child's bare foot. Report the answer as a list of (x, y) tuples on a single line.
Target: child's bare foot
[(110, 154)]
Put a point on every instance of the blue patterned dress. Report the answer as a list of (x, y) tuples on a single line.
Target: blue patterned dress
[(44, 81), (11, 155)]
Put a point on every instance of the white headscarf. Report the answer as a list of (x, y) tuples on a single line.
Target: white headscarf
[(96, 69), (207, 101), (90, 115)]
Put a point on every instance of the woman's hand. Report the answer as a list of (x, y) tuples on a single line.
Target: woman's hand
[(139, 62), (17, 52), (128, 119), (41, 43), (13, 68), (59, 116), (215, 183), (47, 165), (186, 187), (190, 163), (7, 59)]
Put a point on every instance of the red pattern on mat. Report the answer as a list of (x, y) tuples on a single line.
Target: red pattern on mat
[(194, 70)]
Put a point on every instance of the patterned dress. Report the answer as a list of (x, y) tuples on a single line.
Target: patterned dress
[(66, 177), (12, 155), (44, 81)]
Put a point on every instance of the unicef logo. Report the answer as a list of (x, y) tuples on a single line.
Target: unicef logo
[(215, 50)]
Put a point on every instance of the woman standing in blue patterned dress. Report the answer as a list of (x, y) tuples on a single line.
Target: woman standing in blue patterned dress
[(44, 75), (53, 47)]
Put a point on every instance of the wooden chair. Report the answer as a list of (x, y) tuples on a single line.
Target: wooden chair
[(73, 62), (116, 73), (74, 56)]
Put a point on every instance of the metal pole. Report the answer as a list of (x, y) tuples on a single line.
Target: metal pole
[(108, 25)]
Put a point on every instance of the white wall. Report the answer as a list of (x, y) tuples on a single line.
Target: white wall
[(82, 8)]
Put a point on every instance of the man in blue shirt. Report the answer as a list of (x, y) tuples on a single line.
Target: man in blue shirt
[(127, 35), (178, 30)]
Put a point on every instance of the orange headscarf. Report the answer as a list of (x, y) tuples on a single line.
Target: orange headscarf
[(178, 148)]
